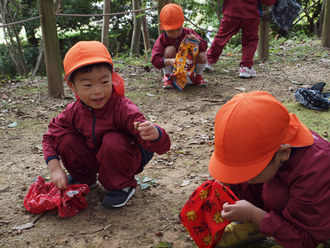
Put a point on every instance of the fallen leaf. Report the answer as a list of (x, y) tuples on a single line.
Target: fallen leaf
[(145, 185), (185, 183), (240, 89), (14, 124), (295, 82)]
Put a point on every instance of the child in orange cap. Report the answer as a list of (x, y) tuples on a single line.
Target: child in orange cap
[(166, 46), (277, 167), (102, 133)]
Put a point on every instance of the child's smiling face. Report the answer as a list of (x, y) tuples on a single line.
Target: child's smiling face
[(174, 33), (94, 88)]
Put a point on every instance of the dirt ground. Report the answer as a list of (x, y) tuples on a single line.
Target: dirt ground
[(188, 117)]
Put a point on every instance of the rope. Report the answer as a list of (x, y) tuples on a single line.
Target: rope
[(107, 14), (19, 22)]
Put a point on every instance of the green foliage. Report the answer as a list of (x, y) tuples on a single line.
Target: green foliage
[(6, 62)]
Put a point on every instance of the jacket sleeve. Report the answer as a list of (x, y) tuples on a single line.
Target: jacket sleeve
[(58, 127), (129, 114), (157, 55), (203, 44), (305, 221)]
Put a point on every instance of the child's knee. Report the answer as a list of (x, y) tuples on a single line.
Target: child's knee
[(275, 196), (201, 58), (170, 52)]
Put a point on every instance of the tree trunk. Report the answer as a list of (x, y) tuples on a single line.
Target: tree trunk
[(217, 9), (146, 36), (326, 27), (135, 44), (105, 26), (161, 4), (263, 44), (51, 48), (319, 23), (40, 59), (19, 46)]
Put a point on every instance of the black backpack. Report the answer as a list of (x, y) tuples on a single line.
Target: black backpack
[(313, 98)]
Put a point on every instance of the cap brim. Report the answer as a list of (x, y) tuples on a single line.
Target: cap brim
[(172, 26), (236, 174)]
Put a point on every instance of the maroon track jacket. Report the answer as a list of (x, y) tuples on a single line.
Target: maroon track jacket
[(118, 114)]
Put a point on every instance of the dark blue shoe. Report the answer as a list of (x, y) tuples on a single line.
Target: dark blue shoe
[(72, 181), (118, 198)]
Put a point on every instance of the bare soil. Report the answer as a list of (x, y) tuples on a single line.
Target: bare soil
[(188, 117)]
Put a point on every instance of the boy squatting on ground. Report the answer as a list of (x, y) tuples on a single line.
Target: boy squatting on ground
[(167, 44), (277, 167), (239, 14), (97, 133)]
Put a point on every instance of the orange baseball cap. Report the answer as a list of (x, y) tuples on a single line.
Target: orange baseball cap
[(171, 16), (249, 129), (90, 52)]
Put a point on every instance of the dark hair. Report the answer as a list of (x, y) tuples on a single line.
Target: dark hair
[(89, 68)]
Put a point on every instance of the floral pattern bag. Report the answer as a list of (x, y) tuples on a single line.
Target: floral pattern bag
[(201, 215), (184, 65)]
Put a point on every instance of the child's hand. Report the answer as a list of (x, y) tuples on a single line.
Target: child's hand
[(193, 37), (59, 177), (147, 129), (243, 211)]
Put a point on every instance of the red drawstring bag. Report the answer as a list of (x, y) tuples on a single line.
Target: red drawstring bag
[(201, 215), (46, 196)]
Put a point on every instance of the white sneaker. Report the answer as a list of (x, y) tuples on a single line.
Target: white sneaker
[(246, 72), (208, 66)]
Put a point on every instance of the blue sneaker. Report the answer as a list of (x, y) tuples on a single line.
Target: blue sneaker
[(118, 198), (72, 181)]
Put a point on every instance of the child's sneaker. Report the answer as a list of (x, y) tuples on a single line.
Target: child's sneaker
[(118, 198), (208, 66), (72, 181), (168, 82), (246, 72), (200, 81), (238, 234)]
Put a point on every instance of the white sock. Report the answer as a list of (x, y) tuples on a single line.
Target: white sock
[(167, 69), (200, 68)]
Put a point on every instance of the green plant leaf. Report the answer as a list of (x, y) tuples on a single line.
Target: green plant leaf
[(145, 185), (163, 244)]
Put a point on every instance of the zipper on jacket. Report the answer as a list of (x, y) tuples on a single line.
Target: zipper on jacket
[(93, 128)]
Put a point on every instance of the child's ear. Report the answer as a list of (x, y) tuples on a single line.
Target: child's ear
[(71, 86), (284, 152), (160, 26)]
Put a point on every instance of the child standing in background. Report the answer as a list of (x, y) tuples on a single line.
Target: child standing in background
[(166, 46), (239, 14)]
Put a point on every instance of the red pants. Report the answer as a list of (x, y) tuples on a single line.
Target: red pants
[(230, 26), (117, 160), (270, 196)]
